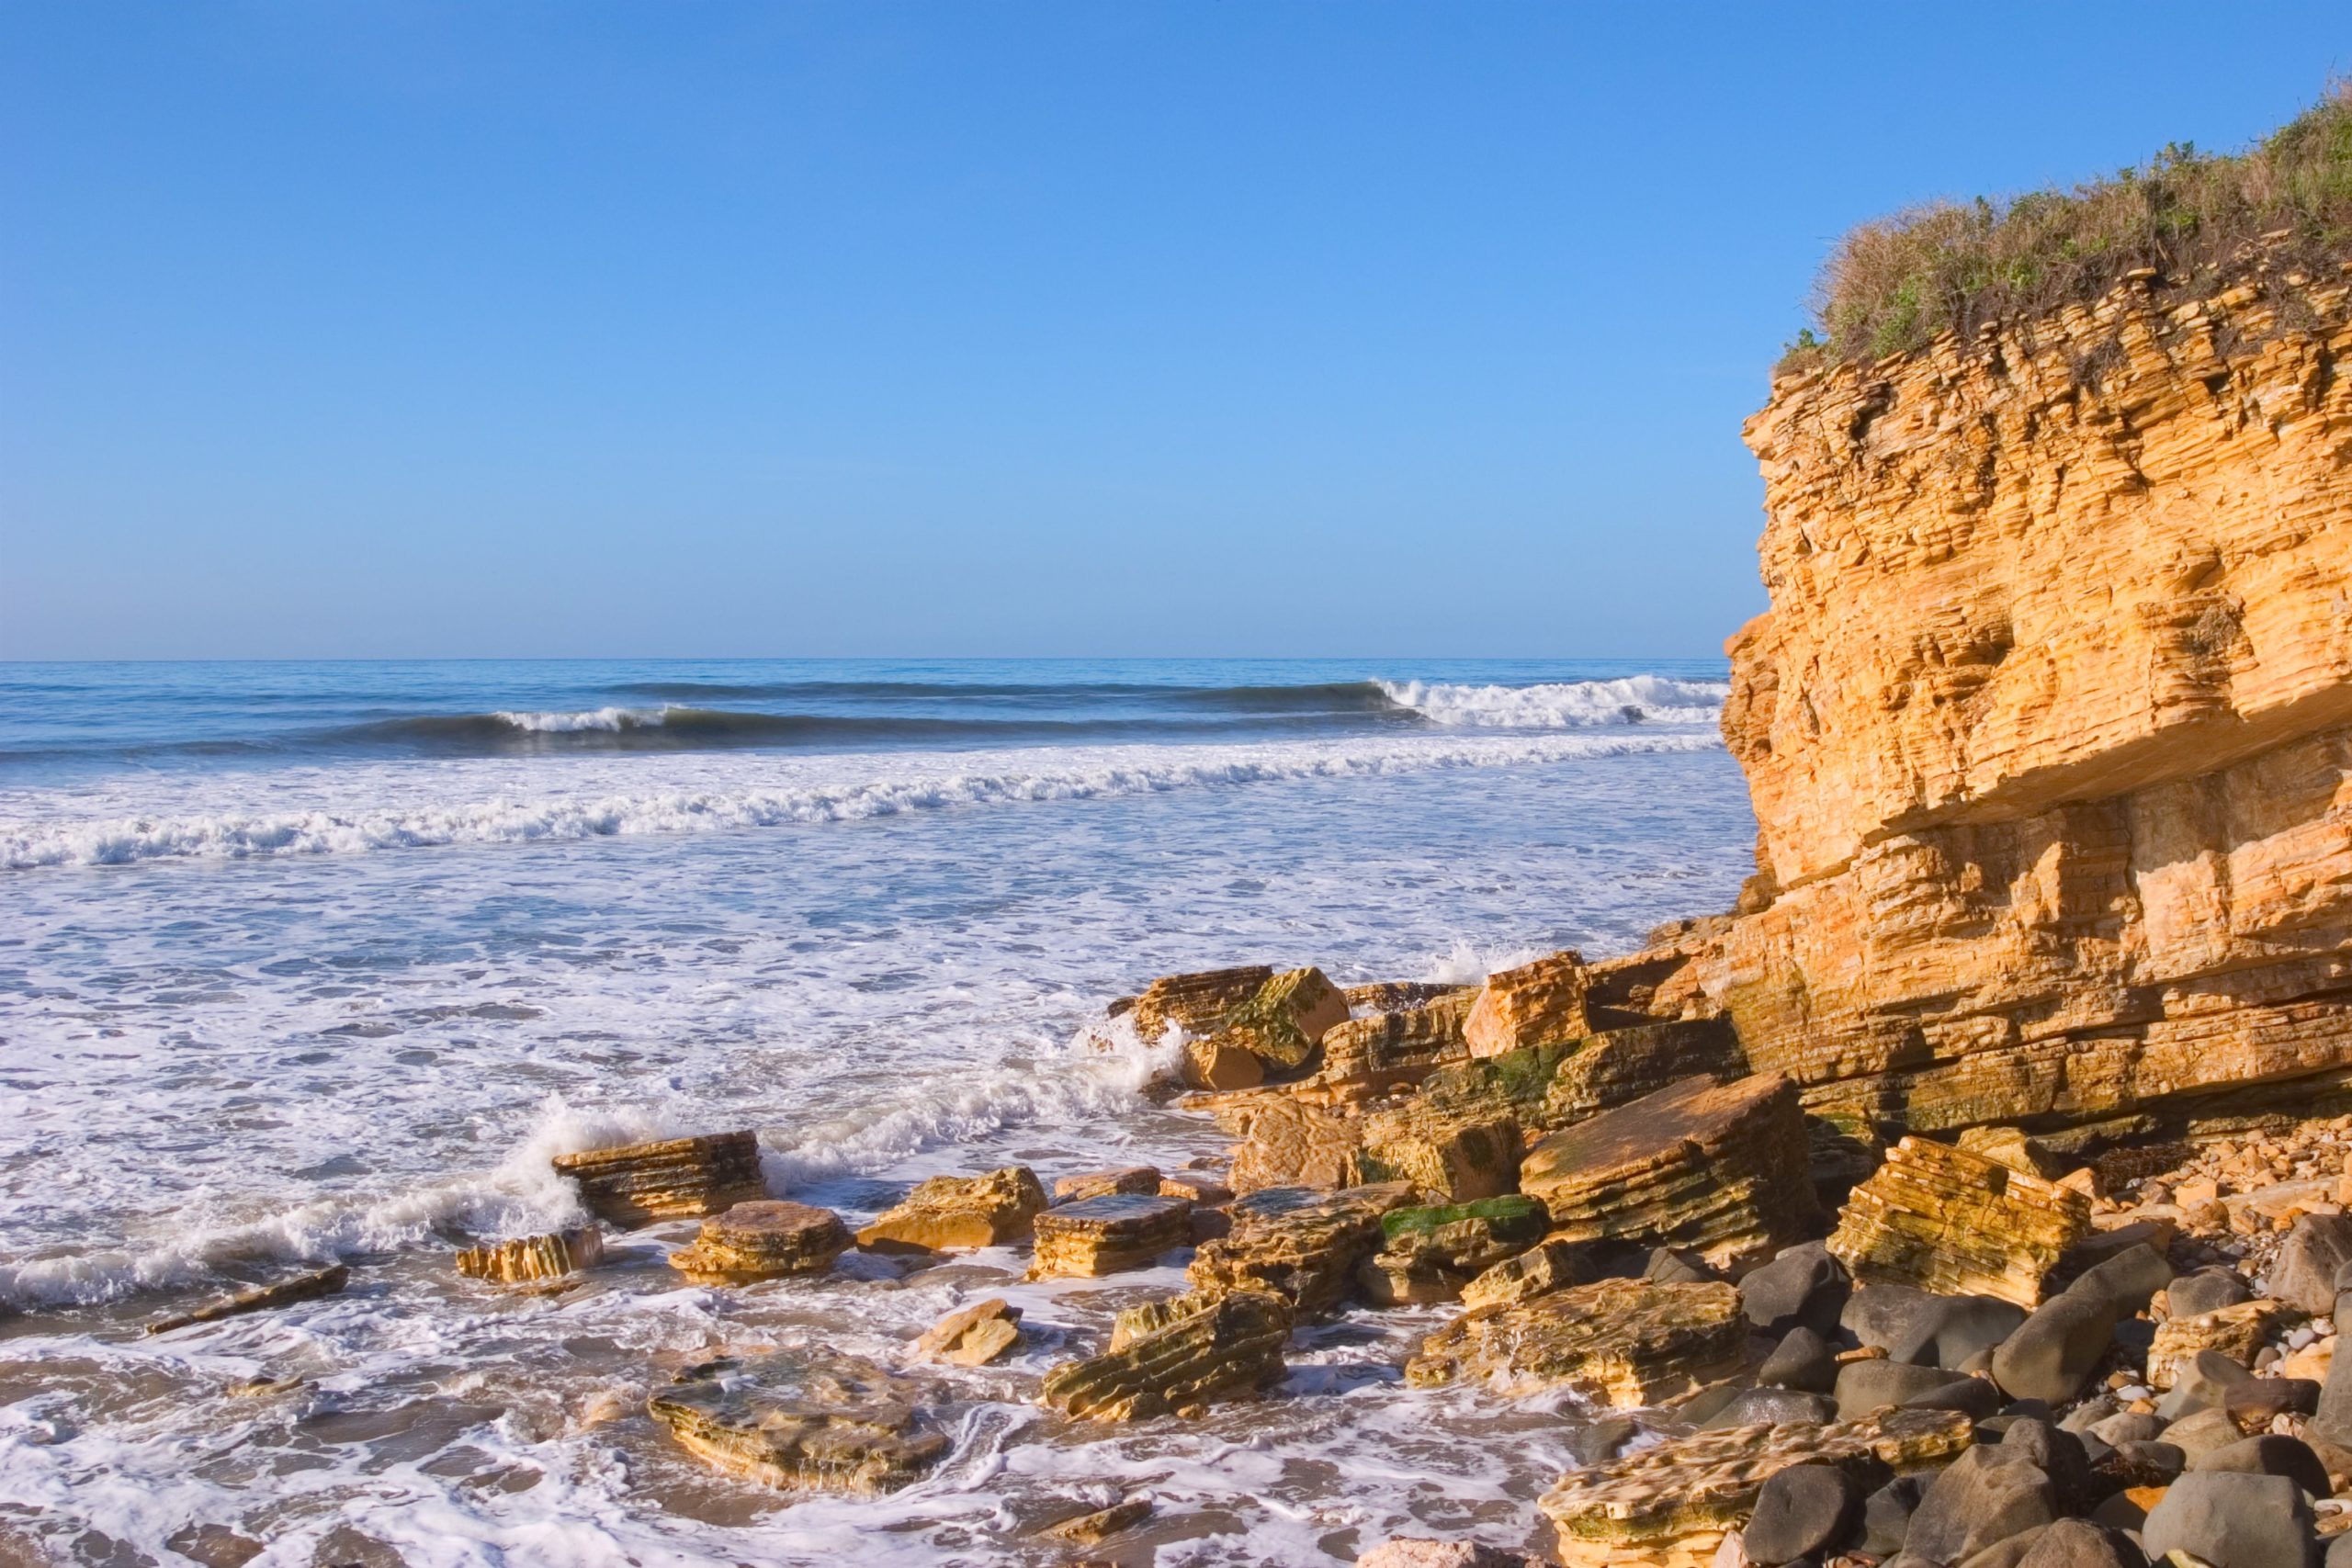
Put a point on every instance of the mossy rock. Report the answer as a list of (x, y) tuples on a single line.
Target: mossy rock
[(1508, 1218), (1515, 1083)]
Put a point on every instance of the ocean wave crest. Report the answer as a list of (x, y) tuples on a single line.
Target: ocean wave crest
[(504, 820), (1564, 705)]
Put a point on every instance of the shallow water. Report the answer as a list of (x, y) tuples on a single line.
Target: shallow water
[(272, 994)]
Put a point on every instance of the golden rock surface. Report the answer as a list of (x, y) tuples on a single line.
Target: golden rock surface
[(2238, 1331), (1552, 1266), (1621, 1343), (1109, 1234), (955, 1213), (533, 1260), (810, 1419), (972, 1336), (1300, 1244), (636, 1184), (1231, 1346), (1367, 1057), (1281, 1024), (1957, 1224), (1671, 1504), (1541, 1003), (2048, 725), (1094, 1183), (1196, 1001), (1719, 1168), (1291, 1144), (763, 1240)]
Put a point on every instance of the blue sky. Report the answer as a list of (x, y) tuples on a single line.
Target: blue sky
[(1350, 329)]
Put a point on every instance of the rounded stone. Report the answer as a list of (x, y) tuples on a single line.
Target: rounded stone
[(1803, 1510)]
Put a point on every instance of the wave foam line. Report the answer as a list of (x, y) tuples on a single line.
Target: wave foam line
[(1565, 705), (612, 720), (237, 836)]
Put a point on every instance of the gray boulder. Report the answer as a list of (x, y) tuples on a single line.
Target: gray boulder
[(2233, 1520), (2304, 1274), (1802, 1286), (2270, 1454), (1803, 1510), (2078, 1543), (1973, 1397), (2203, 1384), (1867, 1386), (1886, 1515), (2052, 1353), (2208, 1290), (1803, 1360), (2130, 1280), (2258, 1401), (1925, 1329), (2198, 1435), (1982, 1497)]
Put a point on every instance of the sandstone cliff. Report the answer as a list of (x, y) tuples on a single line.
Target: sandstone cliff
[(2048, 725)]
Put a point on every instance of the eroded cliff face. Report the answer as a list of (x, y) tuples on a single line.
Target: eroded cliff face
[(2049, 726)]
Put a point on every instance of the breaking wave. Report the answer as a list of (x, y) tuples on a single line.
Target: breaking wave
[(505, 820), (1564, 705)]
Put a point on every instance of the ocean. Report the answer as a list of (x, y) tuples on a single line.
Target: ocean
[(311, 962)]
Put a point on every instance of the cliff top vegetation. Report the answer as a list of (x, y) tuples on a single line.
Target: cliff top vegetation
[(1891, 285)]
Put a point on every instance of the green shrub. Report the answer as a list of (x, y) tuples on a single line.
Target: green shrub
[(1891, 286)]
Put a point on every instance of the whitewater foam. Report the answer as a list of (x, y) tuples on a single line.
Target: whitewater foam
[(925, 784), (1564, 705), (613, 719)]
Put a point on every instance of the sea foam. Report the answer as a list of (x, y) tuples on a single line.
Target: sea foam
[(923, 784), (1564, 705)]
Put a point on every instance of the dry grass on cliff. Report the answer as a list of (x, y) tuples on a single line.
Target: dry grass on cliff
[(1891, 286)]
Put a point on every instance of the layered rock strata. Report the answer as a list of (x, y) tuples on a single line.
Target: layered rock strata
[(1670, 1505), (2049, 726), (1195, 1002), (1365, 1058), (1231, 1346), (802, 1419), (1430, 1254), (1718, 1168), (637, 1184), (1284, 1021), (1296, 1243), (534, 1259), (1944, 1220), (953, 1213), (1541, 1003), (1109, 1234), (1623, 1343), (763, 1240)]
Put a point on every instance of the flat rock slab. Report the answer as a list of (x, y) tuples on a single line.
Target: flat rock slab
[(1721, 1169), (637, 1184), (1109, 1234), (1096, 1183), (1623, 1343), (974, 1336), (318, 1282), (807, 1419), (1229, 1346), (1957, 1223), (534, 1259), (1367, 1057), (1300, 1244), (1671, 1504), (1197, 1001), (764, 1240), (952, 1214)]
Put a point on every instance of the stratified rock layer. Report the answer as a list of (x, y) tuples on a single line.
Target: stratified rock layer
[(2048, 725), (1196, 1001), (973, 1335), (1108, 1233), (1231, 1346), (763, 1240), (953, 1213), (1670, 1505), (1957, 1224), (1719, 1168), (1296, 1243), (1281, 1024), (802, 1419), (1623, 1343), (1541, 1003), (1366, 1057), (534, 1259), (1430, 1254), (674, 1179), (1289, 1143)]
